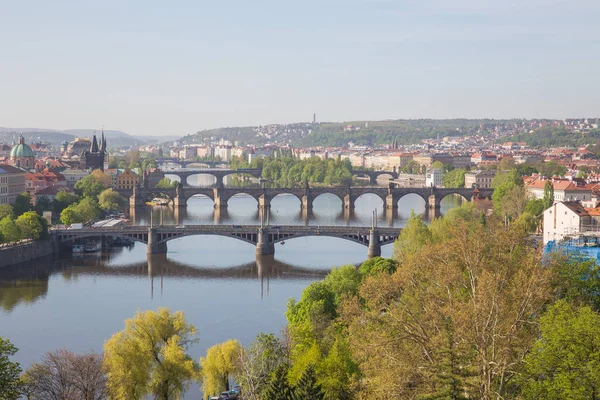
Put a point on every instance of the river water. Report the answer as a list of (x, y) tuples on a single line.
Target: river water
[(79, 302)]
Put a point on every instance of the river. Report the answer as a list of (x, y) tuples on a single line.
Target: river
[(78, 303)]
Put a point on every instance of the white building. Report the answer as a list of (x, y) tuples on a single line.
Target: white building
[(563, 218), (564, 190), (434, 177)]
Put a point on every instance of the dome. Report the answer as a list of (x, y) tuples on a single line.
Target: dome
[(21, 150)]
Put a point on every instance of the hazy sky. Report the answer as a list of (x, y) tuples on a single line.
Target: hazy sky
[(175, 67)]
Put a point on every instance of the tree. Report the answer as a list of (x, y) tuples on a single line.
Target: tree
[(166, 183), (548, 194), (218, 365), (63, 200), (257, 363), (279, 387), (32, 226), (502, 182), (149, 357), (506, 163), (9, 371), (43, 204), (111, 200), (307, 387), (455, 178), (565, 360), (9, 231), (5, 211), (378, 265), (412, 238), (514, 202), (71, 215), (456, 317), (22, 203), (88, 209), (65, 375), (93, 184)]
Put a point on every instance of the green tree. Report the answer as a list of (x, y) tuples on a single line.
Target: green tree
[(9, 372), (378, 265), (502, 183), (9, 230), (166, 183), (111, 200), (71, 215), (63, 200), (149, 357), (218, 365), (93, 184), (565, 360), (455, 178), (279, 387), (307, 387), (548, 195), (32, 226), (43, 204), (88, 209), (412, 238), (22, 204), (6, 210)]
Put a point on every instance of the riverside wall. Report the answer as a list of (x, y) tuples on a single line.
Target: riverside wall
[(24, 252)]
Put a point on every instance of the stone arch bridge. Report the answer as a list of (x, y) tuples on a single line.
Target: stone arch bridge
[(348, 195), (263, 238)]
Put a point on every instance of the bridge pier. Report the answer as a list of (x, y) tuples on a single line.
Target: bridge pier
[(391, 202), (153, 246), (306, 203), (349, 202), (135, 200), (434, 202), (179, 201), (263, 246), (264, 203), (374, 246)]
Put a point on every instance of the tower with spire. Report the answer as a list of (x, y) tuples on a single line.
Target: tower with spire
[(96, 156)]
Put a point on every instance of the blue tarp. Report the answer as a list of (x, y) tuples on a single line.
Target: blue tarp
[(571, 249)]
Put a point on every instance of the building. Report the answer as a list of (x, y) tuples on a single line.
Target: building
[(96, 157), (480, 178), (76, 147), (36, 181), (49, 193), (434, 177), (152, 177), (565, 218), (127, 180), (564, 190), (72, 176), (21, 156), (12, 183), (187, 153)]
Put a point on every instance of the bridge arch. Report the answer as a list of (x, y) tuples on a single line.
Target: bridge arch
[(322, 197), (173, 177), (197, 176), (410, 202), (364, 197), (463, 196)]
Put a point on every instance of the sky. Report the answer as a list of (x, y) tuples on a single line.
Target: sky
[(176, 67)]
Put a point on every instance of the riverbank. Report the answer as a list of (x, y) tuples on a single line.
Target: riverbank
[(24, 252)]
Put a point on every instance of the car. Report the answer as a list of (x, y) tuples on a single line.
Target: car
[(236, 226), (225, 396)]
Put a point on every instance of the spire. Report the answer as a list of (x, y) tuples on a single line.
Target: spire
[(94, 147), (103, 142)]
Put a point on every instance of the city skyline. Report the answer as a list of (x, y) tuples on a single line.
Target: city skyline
[(150, 69)]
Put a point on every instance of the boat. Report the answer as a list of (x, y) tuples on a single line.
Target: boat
[(91, 247), (78, 248), (158, 202)]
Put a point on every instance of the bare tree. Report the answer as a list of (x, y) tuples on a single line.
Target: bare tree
[(64, 375)]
